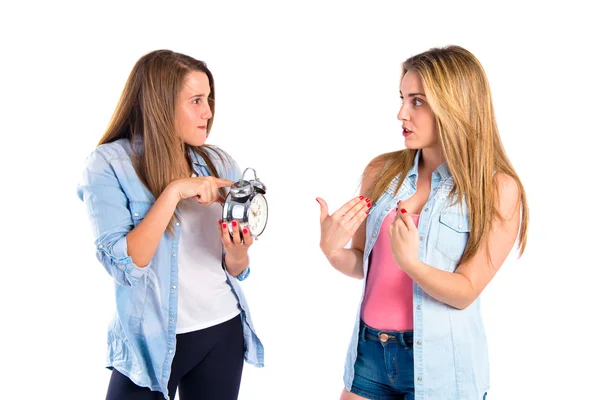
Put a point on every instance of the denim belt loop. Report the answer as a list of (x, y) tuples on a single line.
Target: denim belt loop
[(401, 339)]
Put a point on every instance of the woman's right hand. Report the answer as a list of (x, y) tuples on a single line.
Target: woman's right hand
[(204, 188), (337, 229)]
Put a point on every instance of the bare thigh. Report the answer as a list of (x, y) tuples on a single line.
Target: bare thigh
[(346, 395)]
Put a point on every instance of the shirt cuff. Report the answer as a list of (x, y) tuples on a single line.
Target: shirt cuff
[(117, 255)]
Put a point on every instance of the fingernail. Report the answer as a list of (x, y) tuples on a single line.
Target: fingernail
[(316, 199), (234, 223), (224, 226), (220, 222), (245, 231), (399, 201), (396, 209), (403, 211), (369, 205), (361, 197), (367, 199), (367, 212)]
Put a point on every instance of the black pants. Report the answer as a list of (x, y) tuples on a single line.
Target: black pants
[(207, 365)]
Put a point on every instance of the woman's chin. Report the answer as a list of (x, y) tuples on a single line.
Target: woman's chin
[(411, 144), (196, 140)]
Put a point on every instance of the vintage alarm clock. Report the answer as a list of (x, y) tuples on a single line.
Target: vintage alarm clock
[(246, 203)]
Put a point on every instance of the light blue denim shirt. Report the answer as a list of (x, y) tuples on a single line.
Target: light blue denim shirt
[(450, 347), (141, 337)]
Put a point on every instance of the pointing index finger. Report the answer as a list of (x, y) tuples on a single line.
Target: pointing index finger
[(223, 182), (407, 218)]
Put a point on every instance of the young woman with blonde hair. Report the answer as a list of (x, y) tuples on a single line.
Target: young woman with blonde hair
[(152, 189), (432, 227)]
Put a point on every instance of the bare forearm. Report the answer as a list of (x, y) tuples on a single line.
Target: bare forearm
[(450, 288), (143, 240), (236, 265), (348, 262)]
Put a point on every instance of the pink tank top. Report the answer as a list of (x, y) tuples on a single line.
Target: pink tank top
[(388, 302)]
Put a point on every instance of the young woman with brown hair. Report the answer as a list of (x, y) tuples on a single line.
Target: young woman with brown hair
[(152, 189)]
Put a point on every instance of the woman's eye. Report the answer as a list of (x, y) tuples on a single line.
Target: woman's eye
[(417, 102)]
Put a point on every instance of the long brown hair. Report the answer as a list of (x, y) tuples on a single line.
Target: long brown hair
[(457, 89), (145, 114)]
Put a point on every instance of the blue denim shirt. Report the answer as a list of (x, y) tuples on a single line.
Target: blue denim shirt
[(141, 337), (450, 347)]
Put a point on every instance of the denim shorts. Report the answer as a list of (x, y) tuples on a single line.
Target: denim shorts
[(384, 368)]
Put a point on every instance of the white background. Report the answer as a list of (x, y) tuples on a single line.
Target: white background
[(307, 94)]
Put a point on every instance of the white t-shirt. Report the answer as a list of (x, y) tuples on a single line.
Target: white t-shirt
[(205, 298)]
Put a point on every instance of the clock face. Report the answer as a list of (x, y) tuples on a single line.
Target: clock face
[(257, 215)]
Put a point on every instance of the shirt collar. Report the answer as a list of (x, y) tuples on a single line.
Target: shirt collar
[(442, 170)]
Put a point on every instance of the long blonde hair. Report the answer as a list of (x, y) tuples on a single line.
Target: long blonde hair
[(145, 114), (457, 89)]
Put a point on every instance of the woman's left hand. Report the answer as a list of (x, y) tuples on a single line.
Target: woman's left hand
[(404, 240), (236, 247)]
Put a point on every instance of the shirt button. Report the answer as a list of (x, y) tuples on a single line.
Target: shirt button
[(419, 379), (426, 209), (418, 307), (174, 254), (100, 246), (177, 223), (421, 238), (460, 227), (174, 287), (171, 351), (136, 215), (418, 343)]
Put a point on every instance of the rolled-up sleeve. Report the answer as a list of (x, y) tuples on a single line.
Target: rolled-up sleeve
[(244, 274), (108, 211)]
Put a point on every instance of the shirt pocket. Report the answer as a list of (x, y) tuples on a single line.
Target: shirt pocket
[(139, 209), (453, 235)]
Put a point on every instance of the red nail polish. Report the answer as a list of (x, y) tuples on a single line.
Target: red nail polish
[(234, 223), (245, 231), (220, 222), (367, 212), (224, 226), (367, 199), (361, 197), (403, 211), (369, 205), (399, 201)]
